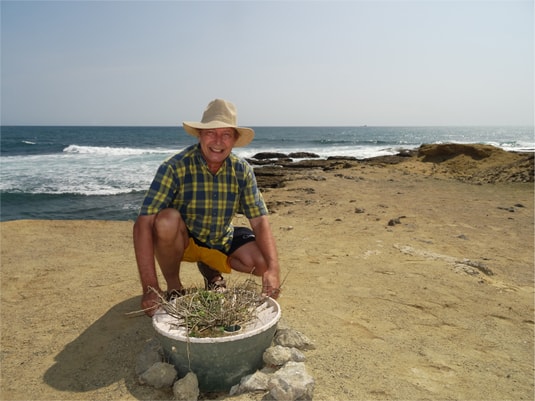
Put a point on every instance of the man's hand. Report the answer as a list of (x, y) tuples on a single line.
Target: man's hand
[(149, 303), (271, 283)]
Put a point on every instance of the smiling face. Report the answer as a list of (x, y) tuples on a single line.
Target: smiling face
[(216, 145)]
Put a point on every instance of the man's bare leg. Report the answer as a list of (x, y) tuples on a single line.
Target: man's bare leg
[(170, 240)]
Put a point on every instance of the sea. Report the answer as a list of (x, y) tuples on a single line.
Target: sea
[(102, 173)]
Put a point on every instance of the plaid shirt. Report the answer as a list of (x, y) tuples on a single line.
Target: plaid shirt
[(207, 202)]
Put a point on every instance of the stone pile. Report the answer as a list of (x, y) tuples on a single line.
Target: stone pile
[(283, 377)]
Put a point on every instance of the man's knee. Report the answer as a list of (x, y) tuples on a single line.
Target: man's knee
[(168, 223), (249, 259)]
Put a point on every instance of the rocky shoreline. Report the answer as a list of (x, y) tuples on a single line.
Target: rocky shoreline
[(465, 162)]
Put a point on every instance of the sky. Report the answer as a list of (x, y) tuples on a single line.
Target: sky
[(282, 63)]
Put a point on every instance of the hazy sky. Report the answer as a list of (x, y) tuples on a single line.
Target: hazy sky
[(282, 63)]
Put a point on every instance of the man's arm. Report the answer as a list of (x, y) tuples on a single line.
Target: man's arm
[(266, 243), (144, 250)]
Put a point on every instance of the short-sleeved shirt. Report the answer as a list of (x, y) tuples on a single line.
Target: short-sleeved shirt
[(207, 202)]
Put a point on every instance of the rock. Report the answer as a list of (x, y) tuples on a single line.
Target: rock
[(384, 160), (264, 162), (269, 155), (292, 338), (303, 155), (159, 375), (279, 355), (407, 153), (478, 265), (291, 382), (397, 220), (393, 222), (478, 163), (151, 353), (187, 388), (283, 376), (287, 228), (440, 152), (509, 209), (341, 158), (257, 381), (270, 177)]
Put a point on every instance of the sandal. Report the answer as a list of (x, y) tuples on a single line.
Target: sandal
[(218, 285), (174, 294), (213, 280)]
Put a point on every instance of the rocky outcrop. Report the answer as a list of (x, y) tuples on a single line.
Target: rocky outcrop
[(479, 163), (465, 162)]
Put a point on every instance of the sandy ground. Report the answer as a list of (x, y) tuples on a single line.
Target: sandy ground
[(437, 307)]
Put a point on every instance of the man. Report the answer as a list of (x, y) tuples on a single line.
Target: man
[(187, 212)]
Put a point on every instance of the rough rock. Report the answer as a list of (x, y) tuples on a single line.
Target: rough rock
[(394, 221), (330, 164), (442, 152), (187, 388), (303, 155), (291, 383), (279, 355), (341, 158), (293, 338), (159, 375), (478, 163), (270, 177), (472, 163), (269, 155), (257, 381)]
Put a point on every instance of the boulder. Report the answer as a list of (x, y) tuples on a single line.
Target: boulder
[(291, 383), (187, 388), (279, 355), (159, 375), (293, 338)]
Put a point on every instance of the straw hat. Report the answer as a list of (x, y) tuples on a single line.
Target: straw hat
[(220, 114)]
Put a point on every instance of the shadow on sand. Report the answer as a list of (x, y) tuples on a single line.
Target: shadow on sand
[(104, 354)]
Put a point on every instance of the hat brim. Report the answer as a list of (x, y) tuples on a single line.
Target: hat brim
[(245, 135)]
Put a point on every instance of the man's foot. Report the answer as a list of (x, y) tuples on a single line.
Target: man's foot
[(213, 280), (174, 294)]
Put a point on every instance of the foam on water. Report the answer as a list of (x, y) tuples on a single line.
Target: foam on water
[(103, 172), (113, 151), (79, 173)]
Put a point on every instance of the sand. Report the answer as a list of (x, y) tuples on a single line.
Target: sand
[(438, 305)]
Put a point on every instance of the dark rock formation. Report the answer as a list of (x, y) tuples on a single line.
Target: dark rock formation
[(471, 163), (270, 155), (303, 155)]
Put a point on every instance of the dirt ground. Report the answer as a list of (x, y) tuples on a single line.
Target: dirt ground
[(414, 282)]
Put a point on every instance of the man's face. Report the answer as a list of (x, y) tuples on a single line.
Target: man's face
[(217, 143)]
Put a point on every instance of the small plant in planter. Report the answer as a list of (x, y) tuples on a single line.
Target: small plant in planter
[(208, 313)]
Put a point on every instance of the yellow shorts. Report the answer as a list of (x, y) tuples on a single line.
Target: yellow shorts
[(212, 257)]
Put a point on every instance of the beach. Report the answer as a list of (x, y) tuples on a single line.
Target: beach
[(412, 276)]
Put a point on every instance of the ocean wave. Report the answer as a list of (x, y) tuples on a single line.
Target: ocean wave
[(113, 151), (350, 142), (359, 152), (75, 191), (114, 170), (78, 174)]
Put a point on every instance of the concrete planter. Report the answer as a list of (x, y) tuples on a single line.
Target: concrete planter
[(219, 362)]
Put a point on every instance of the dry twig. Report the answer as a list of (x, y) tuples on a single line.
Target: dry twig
[(207, 313)]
